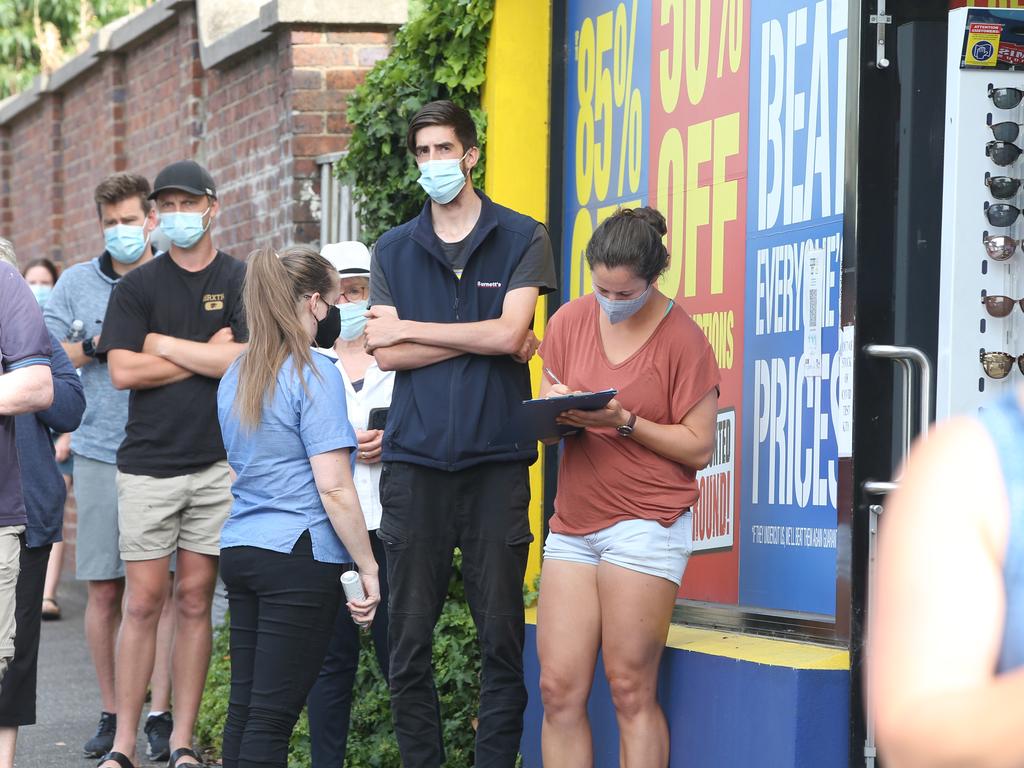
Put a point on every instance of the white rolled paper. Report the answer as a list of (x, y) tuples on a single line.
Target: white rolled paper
[(353, 586)]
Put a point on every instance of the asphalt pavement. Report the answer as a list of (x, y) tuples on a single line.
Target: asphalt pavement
[(68, 703)]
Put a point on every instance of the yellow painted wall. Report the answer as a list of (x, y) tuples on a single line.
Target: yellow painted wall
[(516, 98)]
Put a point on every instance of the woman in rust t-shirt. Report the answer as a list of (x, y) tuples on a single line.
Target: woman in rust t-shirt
[(622, 529)]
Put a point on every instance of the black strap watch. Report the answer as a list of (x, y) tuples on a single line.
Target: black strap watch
[(625, 430), (88, 347)]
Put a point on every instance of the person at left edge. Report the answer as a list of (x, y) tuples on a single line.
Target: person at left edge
[(44, 504), (26, 386), (173, 326), (296, 520)]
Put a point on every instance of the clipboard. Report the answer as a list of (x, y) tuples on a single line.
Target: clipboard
[(534, 419)]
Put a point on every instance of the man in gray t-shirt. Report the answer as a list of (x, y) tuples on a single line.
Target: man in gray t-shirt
[(74, 313)]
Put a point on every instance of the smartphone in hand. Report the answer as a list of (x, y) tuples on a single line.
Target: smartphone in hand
[(378, 418)]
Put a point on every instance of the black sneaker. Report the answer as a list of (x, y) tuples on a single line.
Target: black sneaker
[(103, 741), (158, 733)]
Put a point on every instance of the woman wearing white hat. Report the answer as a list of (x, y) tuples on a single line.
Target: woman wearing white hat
[(366, 388)]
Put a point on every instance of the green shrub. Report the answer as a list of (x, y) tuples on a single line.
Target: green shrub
[(371, 740), (441, 53)]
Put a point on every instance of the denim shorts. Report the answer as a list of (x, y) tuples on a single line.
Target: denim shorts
[(645, 546)]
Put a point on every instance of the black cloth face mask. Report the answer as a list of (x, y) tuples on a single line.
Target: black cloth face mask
[(328, 329)]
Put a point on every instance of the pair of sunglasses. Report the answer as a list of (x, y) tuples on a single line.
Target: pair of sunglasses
[(1001, 214), (1002, 187), (1001, 306), (1000, 247), (1005, 98), (1002, 152), (998, 365), (1005, 131)]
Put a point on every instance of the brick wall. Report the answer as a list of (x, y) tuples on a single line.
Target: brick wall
[(257, 123)]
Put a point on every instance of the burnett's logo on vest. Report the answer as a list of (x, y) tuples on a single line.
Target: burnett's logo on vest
[(482, 284), (213, 301)]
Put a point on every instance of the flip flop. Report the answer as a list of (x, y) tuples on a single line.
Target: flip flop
[(121, 759), (184, 752), (51, 610)]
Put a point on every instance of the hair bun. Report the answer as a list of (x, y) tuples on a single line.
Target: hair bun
[(652, 217)]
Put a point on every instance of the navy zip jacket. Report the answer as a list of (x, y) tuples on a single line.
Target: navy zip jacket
[(447, 415), (41, 481)]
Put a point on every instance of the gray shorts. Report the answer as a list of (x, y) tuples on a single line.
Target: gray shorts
[(97, 557)]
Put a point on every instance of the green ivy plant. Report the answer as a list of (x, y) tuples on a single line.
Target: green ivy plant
[(441, 53)]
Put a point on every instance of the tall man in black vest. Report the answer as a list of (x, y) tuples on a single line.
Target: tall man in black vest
[(453, 294)]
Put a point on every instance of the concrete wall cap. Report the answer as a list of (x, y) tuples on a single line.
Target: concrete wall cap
[(381, 12), (220, 43)]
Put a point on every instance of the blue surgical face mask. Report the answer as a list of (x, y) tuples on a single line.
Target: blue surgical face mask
[(353, 319), (443, 179), (184, 229), (125, 243), (622, 309), (41, 292)]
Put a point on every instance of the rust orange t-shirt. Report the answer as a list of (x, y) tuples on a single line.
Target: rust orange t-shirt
[(605, 478)]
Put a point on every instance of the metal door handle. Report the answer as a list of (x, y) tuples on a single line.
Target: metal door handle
[(907, 358)]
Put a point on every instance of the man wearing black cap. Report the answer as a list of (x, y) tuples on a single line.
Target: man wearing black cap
[(173, 326)]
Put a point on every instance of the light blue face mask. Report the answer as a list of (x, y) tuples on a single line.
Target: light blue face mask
[(443, 179), (125, 243), (353, 319), (622, 309), (183, 229), (41, 292)]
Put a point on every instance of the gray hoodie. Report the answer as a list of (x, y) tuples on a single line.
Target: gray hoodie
[(82, 294)]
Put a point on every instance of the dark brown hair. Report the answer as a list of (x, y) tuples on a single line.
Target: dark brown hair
[(444, 113), (122, 186), (46, 264), (274, 286), (631, 237)]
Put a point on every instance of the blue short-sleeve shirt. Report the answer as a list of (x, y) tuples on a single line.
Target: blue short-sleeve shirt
[(275, 495)]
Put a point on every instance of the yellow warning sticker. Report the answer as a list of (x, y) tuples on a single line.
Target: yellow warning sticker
[(983, 45)]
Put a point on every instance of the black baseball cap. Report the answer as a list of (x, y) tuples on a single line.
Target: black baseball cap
[(186, 175)]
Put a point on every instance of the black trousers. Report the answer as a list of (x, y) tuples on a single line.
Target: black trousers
[(329, 705), (282, 611), (427, 513), (18, 692)]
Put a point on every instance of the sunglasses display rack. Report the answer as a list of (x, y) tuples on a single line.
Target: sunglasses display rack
[(982, 264)]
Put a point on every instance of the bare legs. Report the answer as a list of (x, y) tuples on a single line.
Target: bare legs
[(626, 614), (147, 590)]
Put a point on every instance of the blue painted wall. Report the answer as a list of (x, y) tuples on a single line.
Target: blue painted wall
[(722, 713)]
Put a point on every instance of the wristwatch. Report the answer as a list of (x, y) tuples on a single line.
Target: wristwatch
[(88, 347), (625, 430)]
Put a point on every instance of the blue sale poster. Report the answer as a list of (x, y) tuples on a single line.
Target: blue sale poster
[(791, 319)]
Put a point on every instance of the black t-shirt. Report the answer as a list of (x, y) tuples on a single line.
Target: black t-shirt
[(173, 430), (536, 269)]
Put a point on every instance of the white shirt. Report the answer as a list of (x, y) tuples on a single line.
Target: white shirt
[(375, 393)]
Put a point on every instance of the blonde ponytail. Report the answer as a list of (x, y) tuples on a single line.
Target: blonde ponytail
[(274, 285)]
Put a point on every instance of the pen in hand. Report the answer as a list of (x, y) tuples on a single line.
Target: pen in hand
[(552, 376)]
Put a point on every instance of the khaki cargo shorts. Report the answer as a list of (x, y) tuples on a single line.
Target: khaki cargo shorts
[(157, 515), (10, 564)]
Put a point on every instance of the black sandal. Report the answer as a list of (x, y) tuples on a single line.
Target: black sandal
[(121, 759), (179, 753)]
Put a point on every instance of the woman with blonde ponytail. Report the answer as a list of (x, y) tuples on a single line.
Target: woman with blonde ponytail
[(296, 521)]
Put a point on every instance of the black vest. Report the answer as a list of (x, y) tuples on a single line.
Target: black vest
[(447, 415)]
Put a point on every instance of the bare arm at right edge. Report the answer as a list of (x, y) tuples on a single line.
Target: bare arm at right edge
[(333, 475), (937, 700)]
